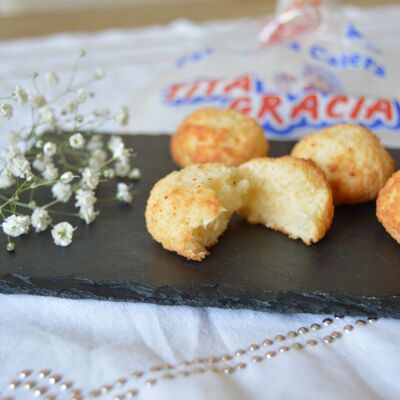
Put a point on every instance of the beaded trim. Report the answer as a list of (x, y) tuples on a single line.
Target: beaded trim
[(49, 386)]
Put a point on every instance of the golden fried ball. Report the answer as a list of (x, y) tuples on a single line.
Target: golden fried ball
[(290, 195), (218, 136), (189, 209), (388, 206), (352, 158)]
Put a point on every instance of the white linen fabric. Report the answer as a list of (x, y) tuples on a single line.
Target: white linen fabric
[(92, 344)]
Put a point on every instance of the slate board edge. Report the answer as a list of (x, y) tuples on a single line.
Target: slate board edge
[(281, 302)]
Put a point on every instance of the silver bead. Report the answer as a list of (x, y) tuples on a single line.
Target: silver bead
[(198, 370), (131, 393), (339, 317), (316, 327), (7, 398), (240, 352), (168, 376), (50, 397), (215, 369), (212, 360), (39, 391), (120, 382), (65, 385), (137, 374), (228, 370), (254, 347), (168, 366), (119, 397), (106, 388), (336, 335), (280, 338), (29, 385), (371, 320), (150, 382), (14, 384), (95, 393), (184, 373), (75, 394), (156, 368), (241, 365), (226, 357), (312, 342), (328, 339), (43, 373), (348, 328), (297, 346), (54, 379), (303, 330), (292, 334), (268, 342), (327, 321), (256, 359), (361, 322), (270, 354), (284, 349), (25, 373), (185, 362), (199, 360)]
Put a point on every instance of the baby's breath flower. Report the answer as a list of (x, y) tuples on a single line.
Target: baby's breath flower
[(122, 169), (14, 138), (62, 191), (90, 178), (67, 177), (109, 173), (88, 214), (81, 95), (10, 246), (40, 162), (62, 234), (52, 78), (49, 117), (49, 149), (38, 101), (115, 144), (123, 117), (50, 172), (6, 110), (98, 159), (85, 198), (79, 118), (39, 144), (6, 180), (70, 106), (101, 111), (20, 95), (19, 166), (99, 74), (123, 193), (135, 174), (16, 225), (40, 219), (77, 141), (95, 143)]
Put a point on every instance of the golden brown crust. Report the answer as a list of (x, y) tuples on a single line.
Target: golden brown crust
[(352, 158), (188, 210), (218, 136), (388, 206), (289, 195)]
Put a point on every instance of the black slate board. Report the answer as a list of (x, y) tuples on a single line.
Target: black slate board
[(354, 270)]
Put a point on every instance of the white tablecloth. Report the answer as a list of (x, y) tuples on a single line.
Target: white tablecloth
[(88, 345)]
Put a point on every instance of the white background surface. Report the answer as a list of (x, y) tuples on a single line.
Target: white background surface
[(94, 343)]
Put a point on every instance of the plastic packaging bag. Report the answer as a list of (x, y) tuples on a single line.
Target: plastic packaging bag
[(292, 80)]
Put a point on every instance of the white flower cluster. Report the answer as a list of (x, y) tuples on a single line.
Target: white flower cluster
[(72, 163)]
